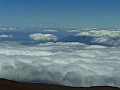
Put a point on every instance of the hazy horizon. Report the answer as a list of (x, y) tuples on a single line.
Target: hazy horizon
[(60, 13)]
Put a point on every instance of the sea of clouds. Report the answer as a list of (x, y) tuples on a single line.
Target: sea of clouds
[(95, 62), (64, 63)]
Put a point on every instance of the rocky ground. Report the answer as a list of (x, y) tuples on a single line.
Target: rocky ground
[(12, 85)]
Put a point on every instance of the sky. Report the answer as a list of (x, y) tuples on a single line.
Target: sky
[(60, 13)]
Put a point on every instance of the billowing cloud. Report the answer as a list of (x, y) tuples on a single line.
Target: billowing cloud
[(101, 37), (106, 40), (40, 36), (72, 64)]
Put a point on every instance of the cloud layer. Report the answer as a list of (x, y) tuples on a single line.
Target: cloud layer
[(72, 64)]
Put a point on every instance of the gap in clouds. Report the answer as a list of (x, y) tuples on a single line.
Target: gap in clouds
[(90, 36)]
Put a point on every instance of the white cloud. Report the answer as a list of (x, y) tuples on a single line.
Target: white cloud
[(73, 31), (12, 28), (104, 37), (9, 28), (40, 36), (95, 46), (3, 28), (101, 39), (99, 33), (50, 30), (72, 64), (106, 40), (5, 36)]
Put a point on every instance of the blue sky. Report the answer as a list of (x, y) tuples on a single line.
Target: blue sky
[(60, 13)]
